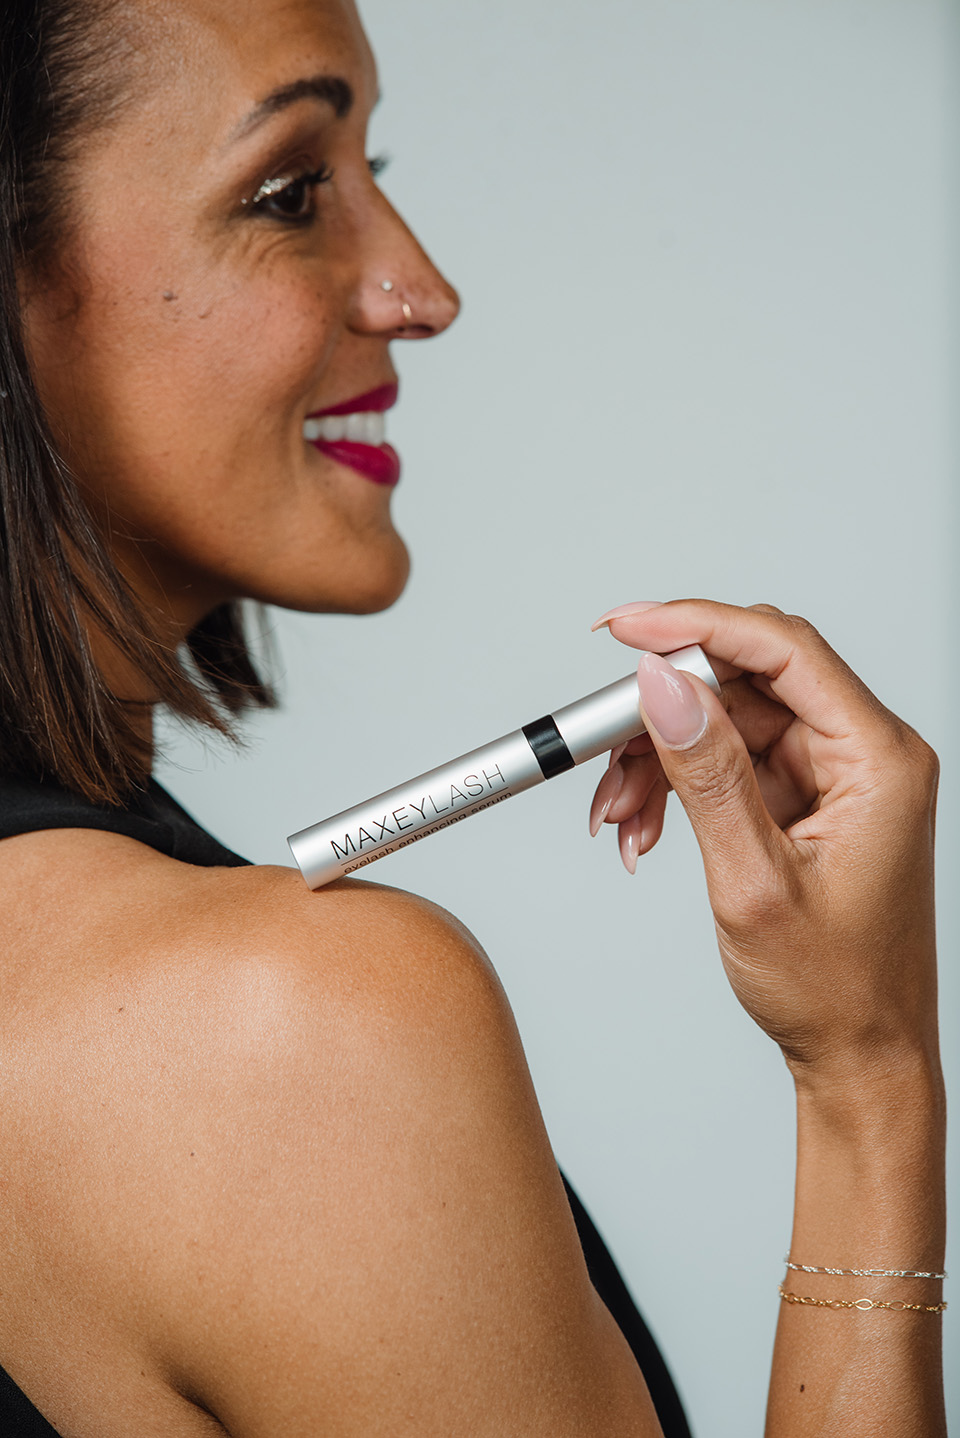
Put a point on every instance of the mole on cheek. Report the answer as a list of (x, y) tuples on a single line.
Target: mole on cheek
[(169, 295)]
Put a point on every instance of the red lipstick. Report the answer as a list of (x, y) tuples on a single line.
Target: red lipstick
[(376, 401), (379, 463)]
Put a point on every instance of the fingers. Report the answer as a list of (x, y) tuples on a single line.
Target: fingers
[(744, 778), (778, 751), (706, 762), (778, 744), (632, 794), (780, 759), (792, 663), (608, 790), (640, 831)]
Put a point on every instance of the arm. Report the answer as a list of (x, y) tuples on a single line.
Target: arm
[(813, 807)]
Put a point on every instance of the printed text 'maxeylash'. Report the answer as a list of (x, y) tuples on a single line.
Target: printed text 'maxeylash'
[(413, 815)]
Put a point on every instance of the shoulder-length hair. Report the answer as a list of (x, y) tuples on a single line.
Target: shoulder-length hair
[(62, 75)]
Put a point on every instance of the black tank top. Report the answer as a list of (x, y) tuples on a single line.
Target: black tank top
[(154, 818)]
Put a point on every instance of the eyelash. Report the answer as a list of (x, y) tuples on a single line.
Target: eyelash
[(274, 189), (268, 199)]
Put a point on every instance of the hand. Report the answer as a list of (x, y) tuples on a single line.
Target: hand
[(813, 807)]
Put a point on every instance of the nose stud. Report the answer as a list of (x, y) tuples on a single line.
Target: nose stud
[(407, 312)]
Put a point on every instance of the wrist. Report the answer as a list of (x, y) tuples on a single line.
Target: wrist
[(865, 1093), (871, 1165)]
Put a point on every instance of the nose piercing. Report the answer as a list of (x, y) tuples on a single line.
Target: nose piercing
[(387, 286)]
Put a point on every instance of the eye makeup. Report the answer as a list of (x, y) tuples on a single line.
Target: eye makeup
[(284, 182), (292, 183)]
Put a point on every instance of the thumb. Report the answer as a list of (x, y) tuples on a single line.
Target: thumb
[(707, 763)]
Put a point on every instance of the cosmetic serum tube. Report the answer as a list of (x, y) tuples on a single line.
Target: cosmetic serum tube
[(478, 780)]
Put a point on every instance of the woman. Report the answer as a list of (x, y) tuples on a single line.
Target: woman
[(272, 1160)]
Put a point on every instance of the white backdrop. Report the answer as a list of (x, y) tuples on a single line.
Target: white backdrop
[(706, 251)]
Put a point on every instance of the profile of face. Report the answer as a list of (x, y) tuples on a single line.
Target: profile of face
[(231, 271)]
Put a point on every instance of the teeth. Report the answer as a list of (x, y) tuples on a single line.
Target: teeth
[(363, 428)]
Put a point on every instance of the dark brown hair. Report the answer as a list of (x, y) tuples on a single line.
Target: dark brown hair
[(63, 69)]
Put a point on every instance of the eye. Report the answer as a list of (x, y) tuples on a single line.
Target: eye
[(377, 164), (289, 197)]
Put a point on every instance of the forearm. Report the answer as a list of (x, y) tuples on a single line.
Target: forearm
[(870, 1194)]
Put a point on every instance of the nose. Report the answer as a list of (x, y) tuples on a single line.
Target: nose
[(401, 294)]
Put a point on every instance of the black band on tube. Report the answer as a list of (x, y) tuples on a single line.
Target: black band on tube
[(546, 741)]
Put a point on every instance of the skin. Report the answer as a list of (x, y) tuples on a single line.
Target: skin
[(273, 1161), (184, 415)]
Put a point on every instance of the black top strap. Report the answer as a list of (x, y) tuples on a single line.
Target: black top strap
[(152, 816)]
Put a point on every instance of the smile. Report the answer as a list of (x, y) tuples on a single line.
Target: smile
[(363, 428), (354, 433)]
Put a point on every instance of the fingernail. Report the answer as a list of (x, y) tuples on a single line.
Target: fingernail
[(639, 606), (670, 702), (646, 837), (616, 755), (607, 791), (630, 843)]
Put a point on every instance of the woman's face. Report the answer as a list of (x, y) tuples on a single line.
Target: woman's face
[(217, 290)]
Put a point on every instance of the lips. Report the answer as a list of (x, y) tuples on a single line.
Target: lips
[(376, 401), (352, 433)]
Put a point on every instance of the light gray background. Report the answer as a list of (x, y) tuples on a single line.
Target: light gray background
[(707, 250)]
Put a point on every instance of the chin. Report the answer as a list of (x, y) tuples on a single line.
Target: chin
[(384, 586), (367, 586)]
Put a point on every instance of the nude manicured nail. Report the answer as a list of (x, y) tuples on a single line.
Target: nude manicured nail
[(639, 606), (607, 791), (670, 702), (630, 843), (648, 837)]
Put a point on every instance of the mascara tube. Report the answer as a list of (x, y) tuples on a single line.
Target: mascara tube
[(476, 781)]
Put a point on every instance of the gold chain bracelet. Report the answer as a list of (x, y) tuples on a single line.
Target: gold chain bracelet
[(863, 1304)]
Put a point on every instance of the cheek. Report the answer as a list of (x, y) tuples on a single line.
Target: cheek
[(259, 348), (217, 369), (162, 362)]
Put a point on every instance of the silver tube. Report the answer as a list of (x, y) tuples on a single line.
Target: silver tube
[(433, 801)]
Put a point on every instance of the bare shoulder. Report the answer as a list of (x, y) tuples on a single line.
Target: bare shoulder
[(91, 917), (109, 884), (308, 1165), (217, 993)]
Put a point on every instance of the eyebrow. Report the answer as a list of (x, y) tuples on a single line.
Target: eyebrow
[(332, 90)]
